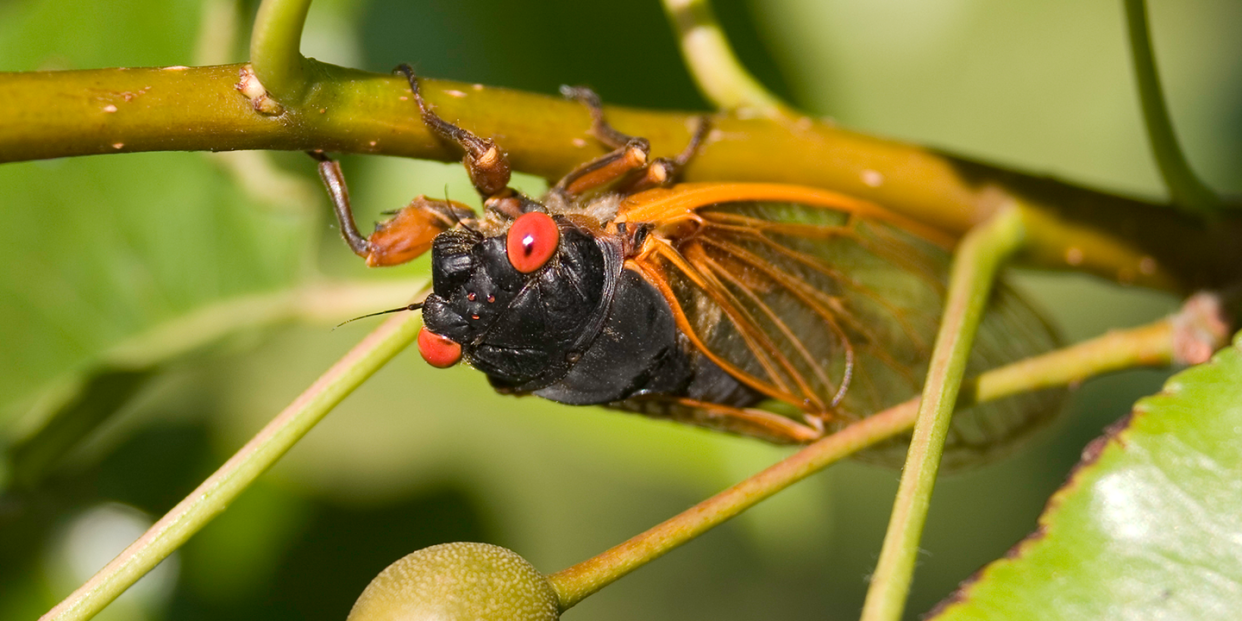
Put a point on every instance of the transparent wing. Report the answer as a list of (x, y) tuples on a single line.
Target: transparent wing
[(831, 312)]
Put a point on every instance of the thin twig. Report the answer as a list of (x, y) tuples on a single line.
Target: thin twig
[(65, 113), (1187, 190), (214, 494), (1150, 345), (716, 70), (970, 281), (275, 49)]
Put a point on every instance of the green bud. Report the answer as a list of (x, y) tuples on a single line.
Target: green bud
[(452, 581)]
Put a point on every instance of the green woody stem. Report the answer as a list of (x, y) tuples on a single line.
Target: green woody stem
[(718, 73), (1187, 190), (221, 488), (970, 282), (59, 114), (275, 49)]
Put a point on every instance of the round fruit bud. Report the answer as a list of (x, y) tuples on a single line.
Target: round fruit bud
[(466, 581)]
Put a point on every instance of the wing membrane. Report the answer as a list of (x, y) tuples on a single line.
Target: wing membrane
[(833, 312)]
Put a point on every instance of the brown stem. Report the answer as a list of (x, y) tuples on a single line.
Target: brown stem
[(58, 114)]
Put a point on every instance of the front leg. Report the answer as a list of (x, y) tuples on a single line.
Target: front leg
[(338, 193), (485, 162), (398, 240)]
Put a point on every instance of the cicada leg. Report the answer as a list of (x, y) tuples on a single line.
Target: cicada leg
[(605, 169), (663, 172), (338, 193), (409, 233), (600, 128), (485, 162), (402, 238), (632, 174)]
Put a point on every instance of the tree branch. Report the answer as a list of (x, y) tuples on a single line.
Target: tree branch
[(59, 114)]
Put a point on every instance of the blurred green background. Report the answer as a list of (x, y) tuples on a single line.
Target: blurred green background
[(99, 251)]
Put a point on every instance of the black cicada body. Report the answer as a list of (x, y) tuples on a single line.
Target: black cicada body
[(775, 311)]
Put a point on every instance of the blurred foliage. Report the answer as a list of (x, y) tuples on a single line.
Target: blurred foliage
[(102, 250)]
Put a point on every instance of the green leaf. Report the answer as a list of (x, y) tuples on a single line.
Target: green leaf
[(1149, 526)]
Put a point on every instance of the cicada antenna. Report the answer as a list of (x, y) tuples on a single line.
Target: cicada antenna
[(408, 307)]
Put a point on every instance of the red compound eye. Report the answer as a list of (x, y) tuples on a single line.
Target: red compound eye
[(439, 352), (532, 241)]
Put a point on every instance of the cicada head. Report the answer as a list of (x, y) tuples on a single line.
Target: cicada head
[(521, 304)]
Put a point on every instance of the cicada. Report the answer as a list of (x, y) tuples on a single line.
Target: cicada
[(774, 311)]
